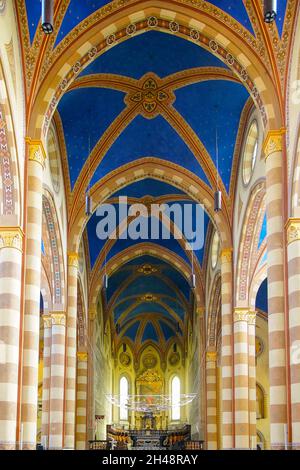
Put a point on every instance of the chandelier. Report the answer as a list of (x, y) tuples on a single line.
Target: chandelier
[(150, 403)]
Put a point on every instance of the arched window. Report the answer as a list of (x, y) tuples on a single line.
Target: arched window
[(175, 395), (124, 390)]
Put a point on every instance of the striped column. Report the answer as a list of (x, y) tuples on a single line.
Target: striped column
[(293, 238), (90, 387), (11, 243), (276, 316), (211, 400), (29, 392), (46, 380), (57, 380), (227, 353), (241, 385), (70, 384), (81, 400), (252, 378)]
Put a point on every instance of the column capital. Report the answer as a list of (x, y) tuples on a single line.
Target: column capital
[(273, 142), (36, 151), (211, 356), (82, 356), (251, 317), (240, 314), (47, 321), (200, 311), (293, 230), (11, 237), (73, 259), (58, 318), (92, 314), (244, 314), (226, 255)]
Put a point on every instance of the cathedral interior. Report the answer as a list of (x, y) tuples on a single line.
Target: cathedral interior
[(144, 342)]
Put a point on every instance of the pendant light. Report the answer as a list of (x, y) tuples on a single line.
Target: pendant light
[(105, 277), (270, 10), (218, 194), (47, 16), (193, 276)]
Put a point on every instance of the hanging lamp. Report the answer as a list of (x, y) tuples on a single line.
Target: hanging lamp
[(47, 16)]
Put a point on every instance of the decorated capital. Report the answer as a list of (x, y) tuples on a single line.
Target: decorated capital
[(82, 356), (73, 260), (11, 237), (58, 318), (273, 142), (293, 230), (36, 151)]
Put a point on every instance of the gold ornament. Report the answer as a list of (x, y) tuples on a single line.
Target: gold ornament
[(226, 255), (73, 260), (293, 230), (211, 356), (47, 321), (273, 142), (36, 151), (82, 356), (58, 318), (11, 237)]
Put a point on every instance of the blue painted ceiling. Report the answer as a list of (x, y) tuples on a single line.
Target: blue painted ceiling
[(78, 10), (162, 313), (204, 106), (262, 297), (96, 245), (88, 112), (263, 232)]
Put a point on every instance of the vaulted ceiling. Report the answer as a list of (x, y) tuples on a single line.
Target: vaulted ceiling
[(153, 95)]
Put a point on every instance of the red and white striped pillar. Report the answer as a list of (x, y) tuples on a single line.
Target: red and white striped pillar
[(273, 150), (241, 380), (57, 380), (11, 247), (227, 350), (31, 325), (211, 400), (293, 239), (81, 400), (46, 380), (71, 350)]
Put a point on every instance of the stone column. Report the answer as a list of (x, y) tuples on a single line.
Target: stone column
[(252, 377), (57, 380), (81, 401), (91, 372), (46, 380), (211, 400), (70, 384), (227, 352), (276, 316), (30, 362), (241, 383), (11, 247), (293, 238)]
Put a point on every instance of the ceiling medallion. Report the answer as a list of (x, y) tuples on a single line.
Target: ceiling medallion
[(147, 269), (152, 93), (148, 298)]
